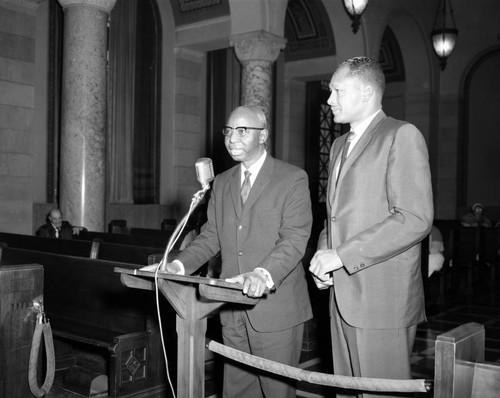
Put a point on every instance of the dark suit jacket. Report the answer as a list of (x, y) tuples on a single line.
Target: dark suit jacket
[(270, 231), (48, 231), (376, 218)]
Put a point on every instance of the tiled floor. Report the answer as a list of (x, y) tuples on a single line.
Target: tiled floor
[(482, 307)]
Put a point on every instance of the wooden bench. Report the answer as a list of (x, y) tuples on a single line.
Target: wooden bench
[(80, 248), (136, 236), (87, 305), (69, 247), (125, 239), (460, 370)]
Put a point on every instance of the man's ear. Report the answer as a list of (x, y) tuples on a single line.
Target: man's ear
[(368, 92), (263, 136)]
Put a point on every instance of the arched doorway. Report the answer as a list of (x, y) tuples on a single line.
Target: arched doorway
[(480, 141)]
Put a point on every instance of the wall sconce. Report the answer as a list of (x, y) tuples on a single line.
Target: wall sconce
[(444, 32), (355, 8)]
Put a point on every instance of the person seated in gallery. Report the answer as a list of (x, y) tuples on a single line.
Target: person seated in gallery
[(436, 249), (476, 218), (55, 227)]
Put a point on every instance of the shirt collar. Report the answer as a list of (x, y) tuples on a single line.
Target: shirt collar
[(363, 125), (254, 168)]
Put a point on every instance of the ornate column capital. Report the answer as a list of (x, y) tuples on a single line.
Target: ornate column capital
[(257, 46), (103, 5)]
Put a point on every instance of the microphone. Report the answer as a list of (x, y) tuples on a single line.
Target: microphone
[(204, 172)]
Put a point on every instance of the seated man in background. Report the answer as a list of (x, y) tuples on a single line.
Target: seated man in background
[(476, 218), (55, 227)]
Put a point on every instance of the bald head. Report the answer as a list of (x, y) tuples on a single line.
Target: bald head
[(55, 217), (246, 134)]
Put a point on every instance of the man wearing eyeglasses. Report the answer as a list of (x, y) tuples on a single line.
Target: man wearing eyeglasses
[(259, 218)]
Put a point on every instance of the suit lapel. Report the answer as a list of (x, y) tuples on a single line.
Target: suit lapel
[(357, 150), (235, 188), (334, 159)]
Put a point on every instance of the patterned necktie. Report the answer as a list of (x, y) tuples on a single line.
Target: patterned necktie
[(245, 188), (57, 232), (345, 151)]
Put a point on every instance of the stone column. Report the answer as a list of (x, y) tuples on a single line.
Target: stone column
[(83, 112), (257, 51)]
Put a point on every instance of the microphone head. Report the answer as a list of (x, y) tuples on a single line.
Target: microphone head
[(204, 171)]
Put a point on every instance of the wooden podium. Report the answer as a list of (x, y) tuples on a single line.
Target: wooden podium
[(193, 299)]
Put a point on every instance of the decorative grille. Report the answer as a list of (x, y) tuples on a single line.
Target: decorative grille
[(328, 131)]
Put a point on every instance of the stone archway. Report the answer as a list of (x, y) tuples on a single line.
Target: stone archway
[(478, 154)]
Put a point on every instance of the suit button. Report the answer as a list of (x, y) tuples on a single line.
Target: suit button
[(355, 268), (240, 227), (362, 265), (240, 253), (334, 218)]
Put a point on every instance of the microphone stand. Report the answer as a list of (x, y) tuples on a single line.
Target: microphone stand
[(195, 201)]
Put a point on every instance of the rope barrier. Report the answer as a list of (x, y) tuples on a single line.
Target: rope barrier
[(346, 382), (41, 329)]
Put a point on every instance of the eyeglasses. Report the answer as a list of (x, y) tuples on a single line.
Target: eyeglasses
[(240, 131)]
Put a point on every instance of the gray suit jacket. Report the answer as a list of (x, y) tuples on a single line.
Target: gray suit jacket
[(270, 231), (377, 216)]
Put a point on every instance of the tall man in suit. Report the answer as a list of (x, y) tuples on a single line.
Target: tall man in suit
[(378, 211), (262, 239)]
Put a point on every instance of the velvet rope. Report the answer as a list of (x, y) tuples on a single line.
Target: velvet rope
[(345, 382), (41, 330)]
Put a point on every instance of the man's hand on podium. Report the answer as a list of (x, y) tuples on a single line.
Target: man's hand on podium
[(254, 283), (172, 268)]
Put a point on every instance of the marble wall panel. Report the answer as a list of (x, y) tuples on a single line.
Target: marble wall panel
[(17, 47), (188, 86), (16, 216), (188, 104), (188, 69), (16, 23), (17, 94), (15, 164), (19, 188), (16, 71), (190, 123), (187, 140), (16, 141), (16, 118)]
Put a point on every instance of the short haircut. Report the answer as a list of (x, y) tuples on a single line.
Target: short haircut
[(367, 70)]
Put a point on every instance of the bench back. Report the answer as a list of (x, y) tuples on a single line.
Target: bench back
[(135, 236), (460, 370), (71, 247), (80, 248), (158, 241), (128, 254), (82, 292)]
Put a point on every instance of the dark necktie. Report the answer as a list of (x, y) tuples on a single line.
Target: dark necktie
[(345, 151), (245, 188)]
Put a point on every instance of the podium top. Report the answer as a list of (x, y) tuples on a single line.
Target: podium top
[(181, 278)]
